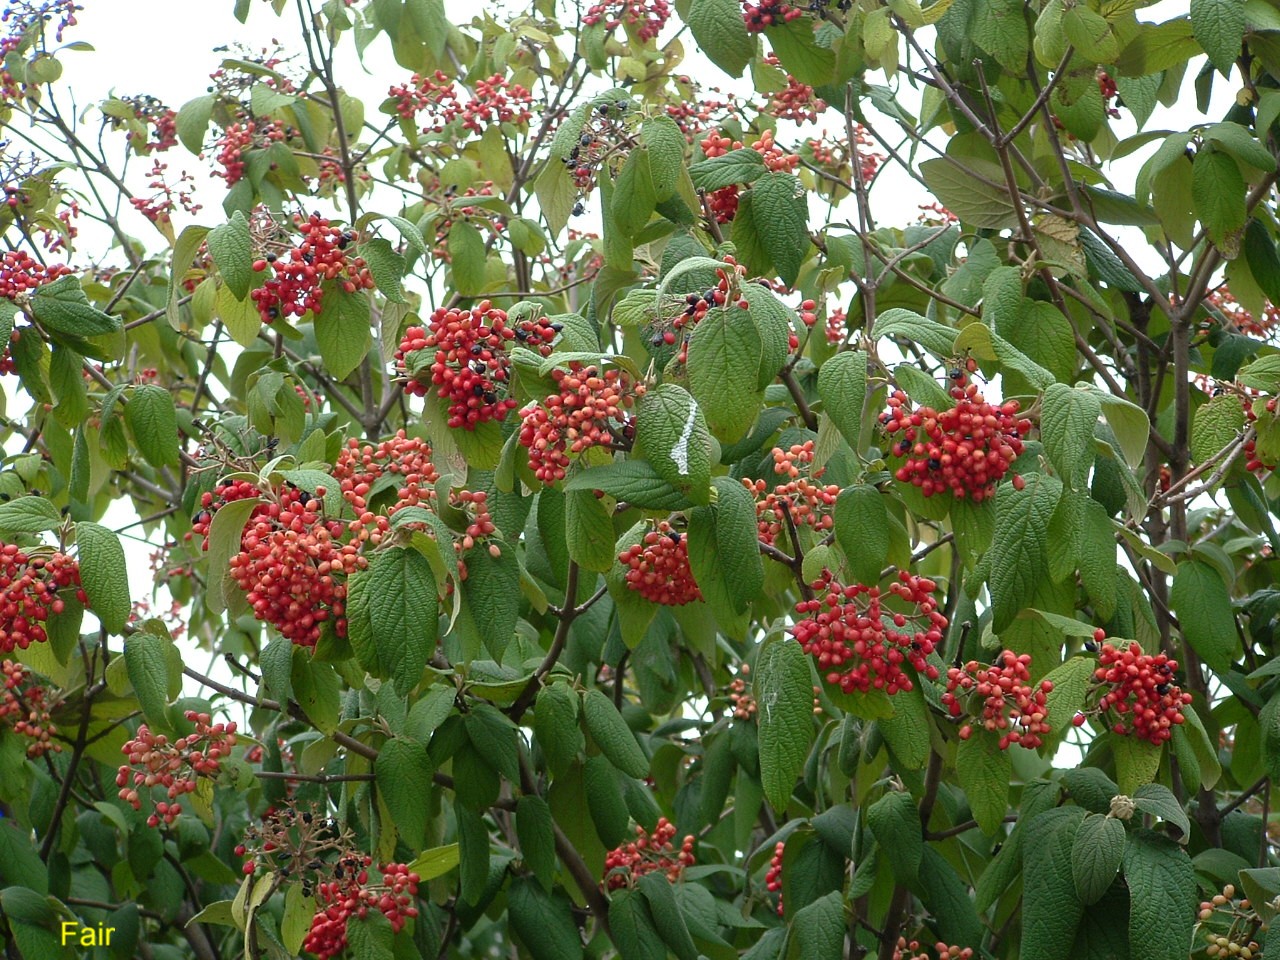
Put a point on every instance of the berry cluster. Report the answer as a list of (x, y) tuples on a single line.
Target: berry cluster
[(1110, 92), (647, 17), (626, 864), (1242, 319), (767, 13), (1141, 689), (1252, 462), (20, 273), (744, 704), (1011, 706), (695, 114), (914, 950), (967, 449), (796, 102), (597, 139), (25, 709), (935, 215), (30, 585), (154, 761), (837, 326), (294, 289), (402, 464), (353, 895), (469, 363), (658, 567), (239, 138), (161, 120), (167, 197), (1230, 925), (590, 410), (293, 566), (797, 497), (495, 99), (693, 307), (860, 643), (773, 879)]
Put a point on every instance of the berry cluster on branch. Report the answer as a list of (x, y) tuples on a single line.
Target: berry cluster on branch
[(966, 449), (175, 766), (1141, 698), (295, 287), (1011, 705), (32, 588), (861, 642), (658, 567), (591, 409), (627, 863), (25, 710)]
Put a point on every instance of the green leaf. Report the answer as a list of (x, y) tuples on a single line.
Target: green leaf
[(153, 420), (782, 219), (670, 923), (672, 432), (612, 735), (842, 385), (543, 921), (666, 154), (1090, 34), (536, 834), (935, 337), (819, 928), (1137, 761), (631, 924), (555, 723), (299, 911), (104, 574), (342, 330), (231, 247), (1130, 425), (1018, 551), (737, 540), (492, 594), (1067, 422), (1219, 27), (896, 824), (436, 862), (984, 771), (29, 514), (1159, 801), (62, 307), (1218, 196), (1162, 897), (588, 531), (1200, 599), (226, 532), (1095, 856), (20, 864), (975, 201), (317, 689), (907, 731), (718, 27), (394, 616), (371, 938), (634, 481), (1051, 909), (634, 196), (1001, 30), (723, 360), (467, 258), (1214, 425), (556, 193), (387, 267), (741, 166), (1156, 48), (783, 690), (192, 122), (403, 775), (863, 529), (155, 671)]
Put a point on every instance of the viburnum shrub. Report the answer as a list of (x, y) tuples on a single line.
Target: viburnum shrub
[(967, 449), (749, 419), (626, 864), (658, 569), (174, 765), (1011, 705), (861, 642)]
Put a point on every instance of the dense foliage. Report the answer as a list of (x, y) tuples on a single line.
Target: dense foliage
[(755, 578)]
